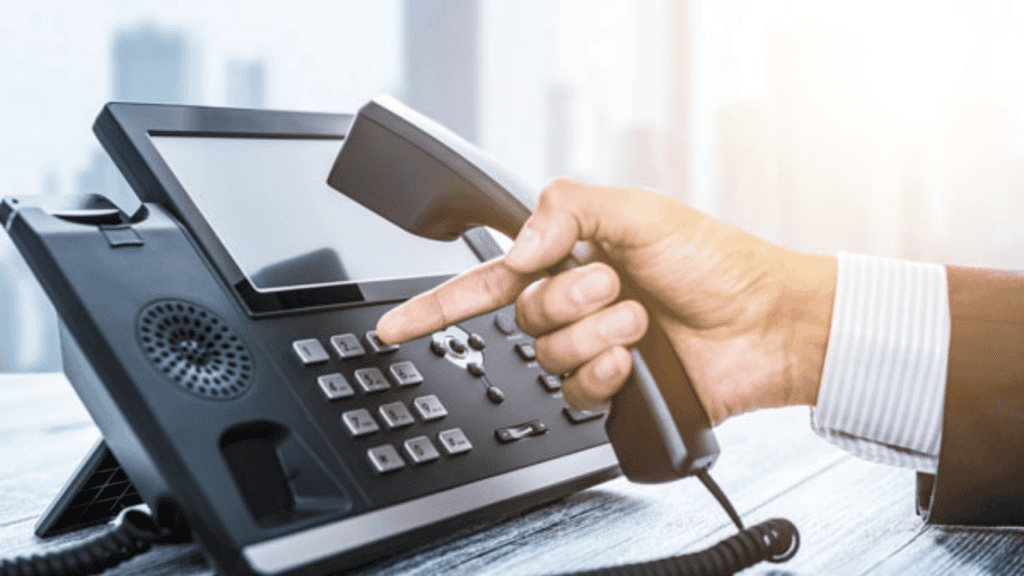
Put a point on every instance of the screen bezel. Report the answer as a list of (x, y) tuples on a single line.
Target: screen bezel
[(125, 129)]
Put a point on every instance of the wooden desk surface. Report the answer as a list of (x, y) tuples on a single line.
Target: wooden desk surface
[(854, 517)]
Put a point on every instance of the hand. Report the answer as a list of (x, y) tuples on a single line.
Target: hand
[(748, 319)]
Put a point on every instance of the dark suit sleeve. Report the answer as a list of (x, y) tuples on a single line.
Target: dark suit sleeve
[(980, 480)]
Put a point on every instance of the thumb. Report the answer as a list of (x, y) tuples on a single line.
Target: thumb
[(569, 211)]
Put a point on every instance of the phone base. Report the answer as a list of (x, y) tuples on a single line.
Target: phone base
[(96, 493)]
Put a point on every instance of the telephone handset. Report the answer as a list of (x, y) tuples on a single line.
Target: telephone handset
[(426, 179)]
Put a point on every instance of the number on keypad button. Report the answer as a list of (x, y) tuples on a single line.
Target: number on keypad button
[(384, 458), (347, 346), (334, 386), (310, 351), (395, 415), (359, 422), (405, 374), (429, 408), (454, 441), (421, 450), (372, 380)]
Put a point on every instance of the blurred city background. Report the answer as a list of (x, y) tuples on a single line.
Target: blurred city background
[(893, 128)]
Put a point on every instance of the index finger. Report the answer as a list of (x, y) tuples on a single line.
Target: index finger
[(478, 290)]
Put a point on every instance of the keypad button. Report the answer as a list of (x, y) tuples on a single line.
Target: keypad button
[(372, 380), (347, 346), (526, 351), (385, 458), (310, 351), (405, 374), (476, 342), (550, 382), (505, 323), (429, 408), (377, 345), (578, 416), (395, 415), (421, 450), (334, 386), (359, 422), (454, 441)]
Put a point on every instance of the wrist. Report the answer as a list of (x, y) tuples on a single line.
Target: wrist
[(808, 296)]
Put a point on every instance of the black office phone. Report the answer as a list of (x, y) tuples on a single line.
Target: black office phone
[(221, 336)]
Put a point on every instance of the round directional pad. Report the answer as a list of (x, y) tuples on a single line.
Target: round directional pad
[(195, 349)]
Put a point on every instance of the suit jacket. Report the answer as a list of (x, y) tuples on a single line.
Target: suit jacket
[(980, 479)]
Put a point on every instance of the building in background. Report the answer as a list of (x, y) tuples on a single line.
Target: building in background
[(246, 85), (441, 67)]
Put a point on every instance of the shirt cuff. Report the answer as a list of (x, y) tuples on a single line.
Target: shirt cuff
[(883, 383)]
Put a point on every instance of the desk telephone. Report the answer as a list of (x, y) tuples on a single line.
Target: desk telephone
[(221, 335)]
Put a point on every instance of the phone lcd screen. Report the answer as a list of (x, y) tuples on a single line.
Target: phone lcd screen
[(268, 202)]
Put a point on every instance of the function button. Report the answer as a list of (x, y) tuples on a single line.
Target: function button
[(475, 368), (494, 394), (405, 374), (520, 431), (347, 346), (359, 422), (421, 450), (310, 351), (429, 408), (395, 415), (454, 441), (334, 386), (526, 351), (385, 458), (437, 346), (457, 346), (550, 382), (577, 416), (476, 342), (372, 380), (505, 323), (377, 345)]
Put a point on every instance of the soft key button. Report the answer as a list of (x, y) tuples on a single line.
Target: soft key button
[(454, 441), (526, 351), (334, 386), (384, 458), (577, 416), (310, 351), (372, 380), (395, 415), (347, 346), (405, 374), (421, 450), (377, 345), (359, 422), (429, 408)]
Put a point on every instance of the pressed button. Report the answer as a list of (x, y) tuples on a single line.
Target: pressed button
[(494, 394), (505, 323), (476, 342), (377, 345)]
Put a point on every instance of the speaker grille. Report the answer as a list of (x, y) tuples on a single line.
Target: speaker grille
[(195, 349)]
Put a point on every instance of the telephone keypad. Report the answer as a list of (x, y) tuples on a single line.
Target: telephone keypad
[(359, 422), (405, 374), (347, 346), (385, 458), (372, 380), (310, 351), (334, 386), (454, 441), (395, 415), (421, 450), (377, 345), (429, 408)]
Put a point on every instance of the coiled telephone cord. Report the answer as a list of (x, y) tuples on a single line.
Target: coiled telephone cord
[(776, 540), (134, 535)]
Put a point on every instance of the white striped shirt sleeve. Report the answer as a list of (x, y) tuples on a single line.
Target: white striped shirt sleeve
[(884, 379)]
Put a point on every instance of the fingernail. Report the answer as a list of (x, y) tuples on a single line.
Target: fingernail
[(592, 288), (525, 246), (619, 324)]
